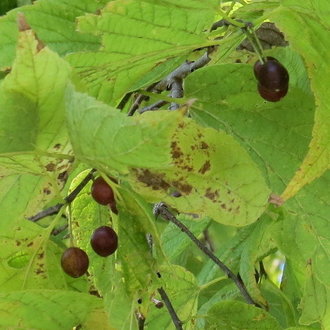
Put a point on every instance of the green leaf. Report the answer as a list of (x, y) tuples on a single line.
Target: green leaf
[(21, 197), (50, 309), (315, 303), (224, 315), (214, 175), (322, 260), (138, 37), (280, 305), (34, 137), (105, 138), (174, 242), (309, 228), (139, 254), (54, 22), (292, 17), (182, 290)]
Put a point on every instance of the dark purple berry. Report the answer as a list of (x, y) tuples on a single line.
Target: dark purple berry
[(258, 65), (104, 241), (102, 192), (74, 262), (273, 75), (272, 95)]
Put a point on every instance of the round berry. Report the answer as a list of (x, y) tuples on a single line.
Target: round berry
[(272, 95), (258, 65), (104, 241), (273, 75), (102, 192), (74, 262)]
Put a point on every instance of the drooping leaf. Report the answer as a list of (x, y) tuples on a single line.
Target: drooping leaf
[(166, 152)]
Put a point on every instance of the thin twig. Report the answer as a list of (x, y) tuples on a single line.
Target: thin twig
[(176, 92), (59, 230), (169, 306), (182, 72), (136, 104), (154, 106), (161, 209), (140, 99), (45, 213), (141, 320), (173, 82), (68, 199)]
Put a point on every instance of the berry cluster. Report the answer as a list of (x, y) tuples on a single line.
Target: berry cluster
[(273, 79), (104, 240)]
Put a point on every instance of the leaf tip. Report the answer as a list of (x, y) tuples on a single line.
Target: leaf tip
[(23, 25)]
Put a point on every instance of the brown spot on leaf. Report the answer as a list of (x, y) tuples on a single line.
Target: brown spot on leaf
[(152, 180), (41, 255), (63, 176), (223, 205), (47, 191), (176, 151), (18, 243), (23, 25), (57, 146), (30, 244), (50, 167), (206, 167), (40, 44), (212, 195), (204, 145), (40, 270), (182, 186)]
